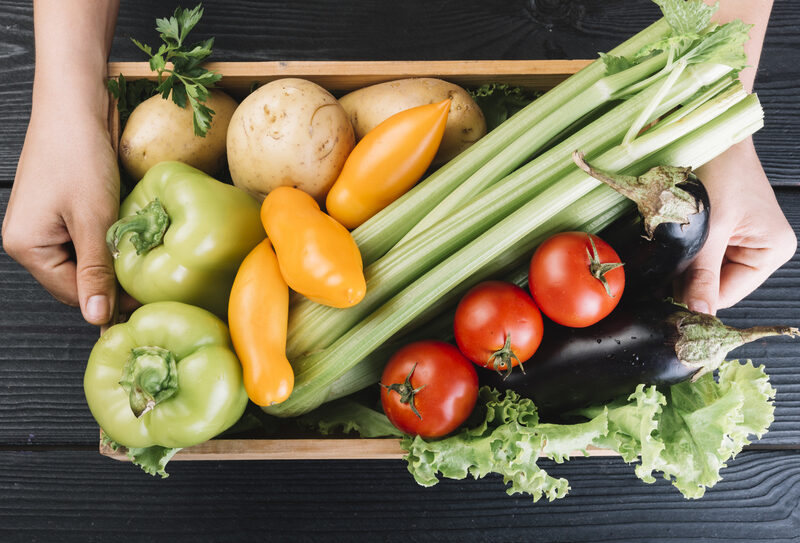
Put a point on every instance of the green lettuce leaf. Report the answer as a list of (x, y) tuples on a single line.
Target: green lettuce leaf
[(690, 432), (499, 101), (153, 460), (686, 433), (346, 415), (633, 429), (508, 441), (706, 423)]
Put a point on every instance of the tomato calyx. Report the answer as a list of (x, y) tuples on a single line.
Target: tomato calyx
[(406, 391), (501, 358), (600, 269)]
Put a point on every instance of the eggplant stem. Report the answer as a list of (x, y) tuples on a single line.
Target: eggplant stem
[(758, 332)]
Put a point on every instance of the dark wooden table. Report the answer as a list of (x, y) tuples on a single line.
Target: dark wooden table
[(54, 486)]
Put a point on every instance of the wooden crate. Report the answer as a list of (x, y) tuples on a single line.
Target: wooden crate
[(338, 77)]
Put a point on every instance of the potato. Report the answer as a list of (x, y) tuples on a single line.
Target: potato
[(369, 106), (159, 130), (290, 132)]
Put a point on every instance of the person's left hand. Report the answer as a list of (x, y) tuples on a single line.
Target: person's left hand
[(749, 237)]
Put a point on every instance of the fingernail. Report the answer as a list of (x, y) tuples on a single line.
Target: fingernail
[(699, 306), (97, 308)]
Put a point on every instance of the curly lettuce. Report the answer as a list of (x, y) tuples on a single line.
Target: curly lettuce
[(687, 433)]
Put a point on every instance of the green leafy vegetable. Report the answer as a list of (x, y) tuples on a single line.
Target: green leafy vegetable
[(346, 416), (508, 441), (187, 79), (687, 433), (130, 94), (687, 17), (153, 460), (499, 101)]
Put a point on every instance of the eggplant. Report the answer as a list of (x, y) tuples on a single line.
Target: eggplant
[(656, 343), (672, 226)]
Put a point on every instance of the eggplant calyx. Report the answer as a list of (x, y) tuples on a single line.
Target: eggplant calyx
[(655, 192), (406, 391), (148, 225), (600, 269), (501, 358), (704, 341)]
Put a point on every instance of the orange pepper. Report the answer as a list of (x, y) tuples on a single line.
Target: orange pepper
[(258, 312), (386, 163), (317, 256)]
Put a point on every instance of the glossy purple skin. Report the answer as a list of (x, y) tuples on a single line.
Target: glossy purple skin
[(577, 367)]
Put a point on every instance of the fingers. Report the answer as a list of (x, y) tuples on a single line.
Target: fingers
[(51, 266), (94, 272), (746, 268)]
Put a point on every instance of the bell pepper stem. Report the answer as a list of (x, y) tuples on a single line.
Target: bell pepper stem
[(150, 376), (148, 226)]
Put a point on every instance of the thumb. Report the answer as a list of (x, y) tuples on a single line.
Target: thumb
[(94, 271), (701, 280)]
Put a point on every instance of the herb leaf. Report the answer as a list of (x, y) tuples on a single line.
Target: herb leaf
[(130, 94), (186, 80)]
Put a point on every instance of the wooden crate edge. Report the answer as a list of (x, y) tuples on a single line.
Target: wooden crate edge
[(302, 449), (331, 72)]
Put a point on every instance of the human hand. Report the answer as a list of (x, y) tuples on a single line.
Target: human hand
[(749, 237), (64, 198)]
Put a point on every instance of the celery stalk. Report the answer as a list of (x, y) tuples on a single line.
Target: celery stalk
[(317, 372), (603, 206), (313, 326), (382, 231)]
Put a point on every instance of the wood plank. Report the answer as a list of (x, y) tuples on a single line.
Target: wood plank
[(81, 496), (300, 449), (323, 30), (344, 76)]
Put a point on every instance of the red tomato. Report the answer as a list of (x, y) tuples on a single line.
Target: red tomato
[(497, 323), (567, 279), (428, 389)]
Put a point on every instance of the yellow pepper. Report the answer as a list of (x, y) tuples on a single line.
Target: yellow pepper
[(258, 313), (317, 256), (386, 163)]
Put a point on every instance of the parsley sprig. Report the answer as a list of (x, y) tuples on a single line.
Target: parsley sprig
[(186, 79)]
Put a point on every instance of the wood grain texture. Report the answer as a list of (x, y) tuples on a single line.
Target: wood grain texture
[(409, 30), (45, 347), (54, 486), (80, 496), (344, 76)]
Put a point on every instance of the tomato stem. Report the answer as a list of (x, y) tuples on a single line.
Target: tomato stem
[(600, 269), (501, 358), (406, 391)]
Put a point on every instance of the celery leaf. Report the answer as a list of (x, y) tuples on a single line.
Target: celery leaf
[(723, 45), (687, 16)]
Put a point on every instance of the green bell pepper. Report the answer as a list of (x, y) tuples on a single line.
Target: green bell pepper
[(182, 236), (167, 377)]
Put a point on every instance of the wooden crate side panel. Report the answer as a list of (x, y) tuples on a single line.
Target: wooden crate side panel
[(301, 449), (239, 77)]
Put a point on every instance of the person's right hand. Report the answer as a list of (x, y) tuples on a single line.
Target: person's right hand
[(65, 196)]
